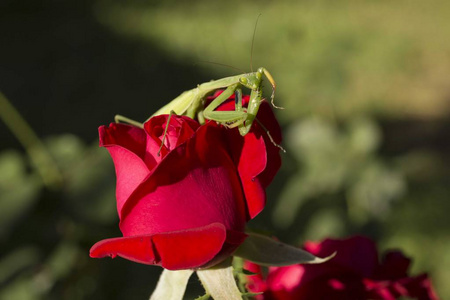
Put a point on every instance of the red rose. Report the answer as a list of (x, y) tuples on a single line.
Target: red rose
[(188, 207), (354, 273)]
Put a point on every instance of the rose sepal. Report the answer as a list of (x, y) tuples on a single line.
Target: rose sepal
[(219, 281), (266, 251), (171, 285)]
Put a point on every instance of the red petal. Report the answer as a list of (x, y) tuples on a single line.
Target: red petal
[(250, 157), (357, 254), (187, 249), (130, 137), (257, 158), (130, 172), (394, 265), (180, 129), (194, 185), (233, 241), (273, 164), (126, 144), (249, 154)]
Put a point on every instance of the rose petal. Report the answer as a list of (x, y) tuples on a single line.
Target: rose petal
[(127, 136), (267, 118), (179, 130), (273, 163), (347, 276), (197, 249), (249, 154), (257, 158), (178, 250), (419, 287), (126, 145), (394, 265), (357, 254), (196, 184)]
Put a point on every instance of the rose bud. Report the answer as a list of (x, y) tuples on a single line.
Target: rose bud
[(185, 206)]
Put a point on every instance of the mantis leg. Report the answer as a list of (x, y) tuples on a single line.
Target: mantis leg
[(272, 83), (238, 99), (165, 131), (119, 119), (252, 110), (227, 118), (269, 135)]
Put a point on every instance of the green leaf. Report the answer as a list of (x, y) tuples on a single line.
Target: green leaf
[(265, 251)]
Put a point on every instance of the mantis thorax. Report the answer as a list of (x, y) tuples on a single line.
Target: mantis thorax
[(251, 80)]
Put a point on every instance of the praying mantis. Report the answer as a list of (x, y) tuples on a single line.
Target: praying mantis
[(192, 103)]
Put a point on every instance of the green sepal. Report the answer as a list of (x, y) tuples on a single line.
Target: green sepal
[(249, 273), (266, 251), (171, 285), (244, 271), (219, 281), (250, 294)]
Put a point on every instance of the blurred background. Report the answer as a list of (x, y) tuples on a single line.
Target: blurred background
[(366, 89)]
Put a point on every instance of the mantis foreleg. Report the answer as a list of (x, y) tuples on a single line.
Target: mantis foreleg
[(192, 103), (165, 131), (227, 118), (122, 119)]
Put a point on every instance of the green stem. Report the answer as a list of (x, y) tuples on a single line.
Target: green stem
[(38, 153), (238, 265)]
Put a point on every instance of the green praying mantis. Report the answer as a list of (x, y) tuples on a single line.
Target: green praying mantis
[(192, 103)]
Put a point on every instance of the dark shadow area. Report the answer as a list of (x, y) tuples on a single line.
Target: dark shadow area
[(65, 72), (400, 136)]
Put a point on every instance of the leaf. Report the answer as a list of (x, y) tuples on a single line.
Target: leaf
[(265, 251)]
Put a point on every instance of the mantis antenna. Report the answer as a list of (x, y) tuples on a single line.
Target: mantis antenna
[(253, 42), (220, 64)]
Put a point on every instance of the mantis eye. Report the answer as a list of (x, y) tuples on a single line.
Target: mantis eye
[(243, 80)]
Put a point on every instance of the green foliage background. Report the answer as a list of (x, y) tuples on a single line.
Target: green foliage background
[(367, 97)]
